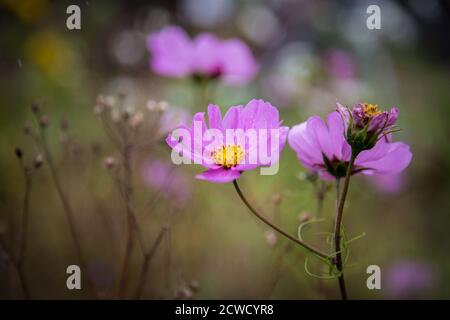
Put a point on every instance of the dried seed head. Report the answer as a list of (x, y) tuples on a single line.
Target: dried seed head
[(271, 237), (19, 153), (110, 162), (43, 121), (27, 128), (151, 105), (100, 104), (163, 106), (115, 115), (194, 285), (304, 216), (35, 107), (137, 119), (38, 161), (184, 292), (109, 102), (126, 114)]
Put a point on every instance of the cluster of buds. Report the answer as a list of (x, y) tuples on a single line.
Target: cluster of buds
[(38, 160), (159, 106), (104, 103), (365, 124)]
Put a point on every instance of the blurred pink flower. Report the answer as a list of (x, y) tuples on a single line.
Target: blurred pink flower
[(341, 64), (409, 279), (174, 54), (165, 179), (388, 183), (324, 149), (227, 158)]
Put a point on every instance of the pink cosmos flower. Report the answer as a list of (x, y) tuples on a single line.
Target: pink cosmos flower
[(174, 54), (323, 148), (253, 135)]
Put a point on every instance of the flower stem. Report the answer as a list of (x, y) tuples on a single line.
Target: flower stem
[(338, 226), (24, 233), (276, 228), (67, 208), (147, 258), (128, 193)]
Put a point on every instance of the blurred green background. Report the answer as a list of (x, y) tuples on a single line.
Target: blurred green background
[(311, 53)]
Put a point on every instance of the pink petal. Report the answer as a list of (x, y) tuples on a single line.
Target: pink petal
[(308, 152), (219, 175), (171, 51), (238, 64), (396, 159), (336, 131), (207, 50), (214, 117), (231, 118), (322, 137)]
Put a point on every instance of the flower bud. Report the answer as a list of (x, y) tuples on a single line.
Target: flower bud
[(27, 127), (38, 161), (365, 124), (35, 107), (304, 216), (151, 105), (110, 162), (43, 121), (19, 153)]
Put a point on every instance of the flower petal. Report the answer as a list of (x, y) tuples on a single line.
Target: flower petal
[(171, 51), (308, 152), (214, 117), (238, 64), (207, 49), (396, 159), (219, 175), (320, 133), (231, 119)]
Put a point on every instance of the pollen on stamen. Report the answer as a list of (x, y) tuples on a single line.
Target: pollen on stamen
[(371, 109), (228, 156)]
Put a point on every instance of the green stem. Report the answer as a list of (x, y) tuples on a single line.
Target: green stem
[(338, 226), (270, 224)]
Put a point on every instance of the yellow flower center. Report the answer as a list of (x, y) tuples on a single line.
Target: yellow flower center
[(371, 109), (228, 156)]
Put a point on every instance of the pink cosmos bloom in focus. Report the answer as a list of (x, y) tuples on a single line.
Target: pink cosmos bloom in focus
[(174, 54), (322, 147), (225, 159)]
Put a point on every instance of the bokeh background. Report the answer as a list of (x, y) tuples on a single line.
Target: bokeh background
[(311, 53)]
